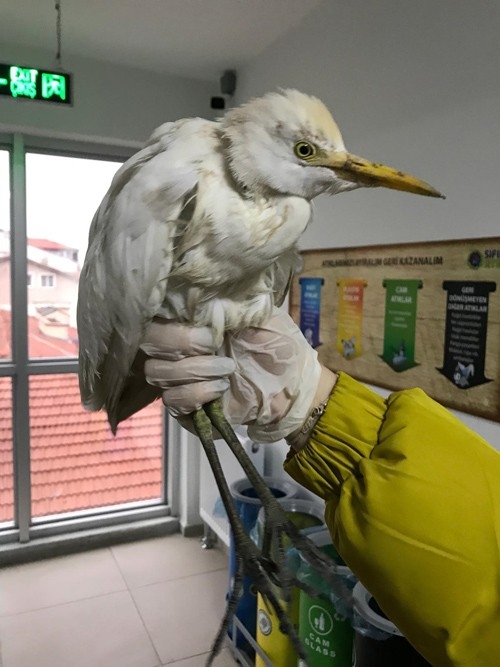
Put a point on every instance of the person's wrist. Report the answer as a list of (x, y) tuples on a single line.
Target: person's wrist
[(326, 383)]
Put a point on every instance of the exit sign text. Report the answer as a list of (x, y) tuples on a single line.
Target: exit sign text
[(35, 84)]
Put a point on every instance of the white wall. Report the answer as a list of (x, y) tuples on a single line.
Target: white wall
[(111, 103), (412, 84)]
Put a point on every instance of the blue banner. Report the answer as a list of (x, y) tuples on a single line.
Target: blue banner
[(310, 308)]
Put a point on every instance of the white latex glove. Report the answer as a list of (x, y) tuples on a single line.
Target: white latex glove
[(267, 377)]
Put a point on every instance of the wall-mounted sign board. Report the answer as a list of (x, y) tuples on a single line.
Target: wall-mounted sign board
[(35, 84), (398, 316)]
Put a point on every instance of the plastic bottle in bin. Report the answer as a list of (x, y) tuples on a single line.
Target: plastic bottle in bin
[(307, 515), (324, 621)]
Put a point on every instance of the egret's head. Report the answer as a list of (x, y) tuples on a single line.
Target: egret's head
[(288, 142)]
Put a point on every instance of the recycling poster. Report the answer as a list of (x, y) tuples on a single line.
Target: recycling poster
[(415, 315)]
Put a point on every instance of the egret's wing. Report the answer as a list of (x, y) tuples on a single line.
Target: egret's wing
[(129, 258), (285, 268)]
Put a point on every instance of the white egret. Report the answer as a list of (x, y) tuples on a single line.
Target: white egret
[(202, 226)]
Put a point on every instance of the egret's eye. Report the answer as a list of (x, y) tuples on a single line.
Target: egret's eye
[(304, 150)]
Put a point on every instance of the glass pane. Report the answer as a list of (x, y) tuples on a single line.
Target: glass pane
[(62, 195), (5, 336), (6, 467), (77, 463)]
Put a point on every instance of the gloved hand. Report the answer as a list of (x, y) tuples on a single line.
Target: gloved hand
[(269, 378)]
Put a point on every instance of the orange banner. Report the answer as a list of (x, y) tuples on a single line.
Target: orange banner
[(350, 317)]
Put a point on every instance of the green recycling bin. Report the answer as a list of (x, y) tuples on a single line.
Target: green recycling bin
[(325, 628)]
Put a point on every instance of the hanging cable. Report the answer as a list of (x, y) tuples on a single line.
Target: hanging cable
[(58, 35)]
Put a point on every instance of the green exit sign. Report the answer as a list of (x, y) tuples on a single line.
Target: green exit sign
[(35, 84)]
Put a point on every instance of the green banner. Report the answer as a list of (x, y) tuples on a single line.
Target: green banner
[(400, 323)]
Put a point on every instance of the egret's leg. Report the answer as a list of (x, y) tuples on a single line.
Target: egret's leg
[(203, 428), (276, 521), (249, 559)]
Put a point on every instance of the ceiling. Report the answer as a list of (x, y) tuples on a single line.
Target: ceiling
[(191, 38)]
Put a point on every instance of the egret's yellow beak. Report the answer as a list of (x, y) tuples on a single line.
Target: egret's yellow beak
[(373, 174)]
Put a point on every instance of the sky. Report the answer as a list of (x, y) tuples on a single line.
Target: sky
[(62, 195)]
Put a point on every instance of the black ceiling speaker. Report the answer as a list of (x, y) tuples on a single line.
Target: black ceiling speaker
[(227, 88), (217, 103)]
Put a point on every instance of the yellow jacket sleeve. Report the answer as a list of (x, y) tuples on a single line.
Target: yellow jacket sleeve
[(413, 505)]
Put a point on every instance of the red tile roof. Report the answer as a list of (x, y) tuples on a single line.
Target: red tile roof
[(76, 463), (39, 345), (46, 244), (6, 470)]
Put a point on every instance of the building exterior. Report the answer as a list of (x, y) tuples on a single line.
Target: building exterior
[(76, 462)]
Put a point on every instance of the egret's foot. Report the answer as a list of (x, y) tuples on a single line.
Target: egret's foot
[(279, 531), (266, 577), (265, 571), (267, 566)]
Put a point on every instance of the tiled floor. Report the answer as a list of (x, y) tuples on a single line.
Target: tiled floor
[(143, 604)]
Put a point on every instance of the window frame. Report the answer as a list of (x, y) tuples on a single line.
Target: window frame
[(20, 367), (51, 281)]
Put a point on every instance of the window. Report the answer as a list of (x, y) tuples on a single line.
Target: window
[(6, 452), (55, 247), (47, 280), (6, 462), (5, 336), (76, 462), (57, 460)]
